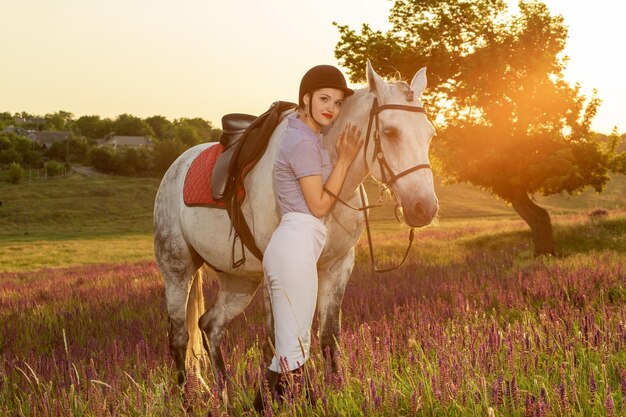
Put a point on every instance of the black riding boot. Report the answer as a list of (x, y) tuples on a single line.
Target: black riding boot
[(277, 383), (309, 392), (275, 386)]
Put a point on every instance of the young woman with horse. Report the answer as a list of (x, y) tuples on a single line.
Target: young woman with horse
[(394, 152), (301, 172)]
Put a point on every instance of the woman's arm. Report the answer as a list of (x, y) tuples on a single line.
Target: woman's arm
[(318, 201)]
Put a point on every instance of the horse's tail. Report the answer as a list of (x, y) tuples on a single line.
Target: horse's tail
[(195, 309)]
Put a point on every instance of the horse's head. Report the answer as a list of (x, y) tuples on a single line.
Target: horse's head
[(396, 149)]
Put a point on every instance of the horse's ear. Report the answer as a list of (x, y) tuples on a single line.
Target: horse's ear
[(374, 82), (419, 82)]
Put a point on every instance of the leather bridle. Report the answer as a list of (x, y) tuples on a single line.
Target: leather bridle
[(385, 170)]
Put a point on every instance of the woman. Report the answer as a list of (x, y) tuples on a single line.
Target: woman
[(301, 174)]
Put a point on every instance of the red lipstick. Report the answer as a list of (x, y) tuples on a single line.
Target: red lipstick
[(327, 115)]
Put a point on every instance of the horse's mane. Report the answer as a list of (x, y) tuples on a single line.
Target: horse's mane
[(392, 79)]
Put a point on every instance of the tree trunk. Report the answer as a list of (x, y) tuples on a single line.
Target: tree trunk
[(539, 221)]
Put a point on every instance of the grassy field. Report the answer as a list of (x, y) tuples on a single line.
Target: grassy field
[(48, 253), (76, 207), (473, 325), (75, 220), (81, 220)]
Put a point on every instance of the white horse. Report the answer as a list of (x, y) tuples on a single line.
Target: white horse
[(395, 152)]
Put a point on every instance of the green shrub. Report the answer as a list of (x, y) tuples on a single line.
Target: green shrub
[(14, 148), (54, 168), (133, 161), (165, 153), (15, 173), (76, 150), (103, 159)]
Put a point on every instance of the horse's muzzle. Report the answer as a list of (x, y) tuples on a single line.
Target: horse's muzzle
[(421, 213)]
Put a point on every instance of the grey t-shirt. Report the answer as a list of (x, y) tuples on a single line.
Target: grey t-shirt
[(300, 154)]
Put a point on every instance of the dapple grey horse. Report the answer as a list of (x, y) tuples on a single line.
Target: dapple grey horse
[(186, 238)]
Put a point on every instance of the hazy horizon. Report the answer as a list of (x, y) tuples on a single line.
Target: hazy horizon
[(191, 59)]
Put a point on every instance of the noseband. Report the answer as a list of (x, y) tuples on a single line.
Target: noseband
[(385, 169)]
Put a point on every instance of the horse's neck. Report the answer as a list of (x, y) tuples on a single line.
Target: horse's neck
[(356, 113)]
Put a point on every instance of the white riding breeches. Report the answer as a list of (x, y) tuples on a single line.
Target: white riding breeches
[(290, 267)]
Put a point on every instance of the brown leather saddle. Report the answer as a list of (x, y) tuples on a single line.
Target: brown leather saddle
[(233, 126), (245, 139)]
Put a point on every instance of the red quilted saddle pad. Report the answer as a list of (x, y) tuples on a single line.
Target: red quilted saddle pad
[(197, 188)]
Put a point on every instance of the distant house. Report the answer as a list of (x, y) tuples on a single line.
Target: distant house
[(48, 137), (17, 130), (116, 142)]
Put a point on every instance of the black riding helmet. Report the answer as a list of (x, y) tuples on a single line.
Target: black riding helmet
[(322, 76)]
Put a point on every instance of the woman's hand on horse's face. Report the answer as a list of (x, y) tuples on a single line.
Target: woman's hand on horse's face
[(349, 142)]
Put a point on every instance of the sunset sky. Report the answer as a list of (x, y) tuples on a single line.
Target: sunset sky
[(206, 58)]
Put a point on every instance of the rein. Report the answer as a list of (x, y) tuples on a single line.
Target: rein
[(385, 170)]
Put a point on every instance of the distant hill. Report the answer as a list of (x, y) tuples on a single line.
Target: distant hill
[(83, 205)]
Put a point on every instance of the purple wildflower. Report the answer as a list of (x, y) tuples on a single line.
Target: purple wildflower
[(529, 406), (608, 404), (496, 390), (593, 388)]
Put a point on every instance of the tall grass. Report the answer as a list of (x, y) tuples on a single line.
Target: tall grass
[(25, 256), (76, 206), (479, 327)]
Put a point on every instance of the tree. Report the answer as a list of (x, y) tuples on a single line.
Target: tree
[(58, 121), (129, 125), (131, 161), (9, 156), (18, 149), (78, 150), (6, 118), (93, 127), (203, 128), (6, 146), (161, 127), (165, 153), (103, 159), (511, 124), (188, 135)]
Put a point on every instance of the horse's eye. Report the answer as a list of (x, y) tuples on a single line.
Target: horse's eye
[(390, 132)]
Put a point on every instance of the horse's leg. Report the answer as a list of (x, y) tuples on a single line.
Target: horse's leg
[(233, 297), (333, 278), (269, 342), (178, 264)]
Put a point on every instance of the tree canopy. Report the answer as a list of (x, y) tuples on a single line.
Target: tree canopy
[(169, 140), (508, 121), (93, 127), (129, 125)]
